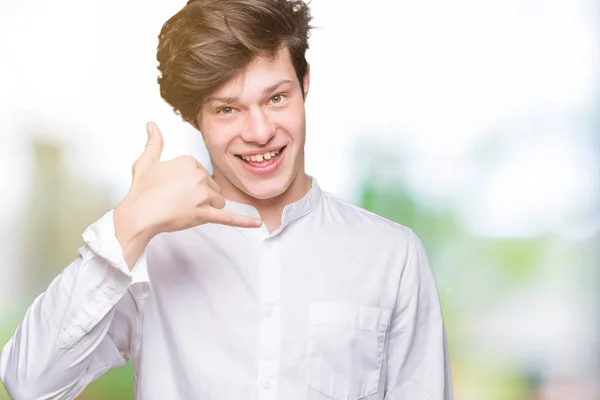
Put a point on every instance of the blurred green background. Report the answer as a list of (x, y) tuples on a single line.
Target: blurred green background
[(475, 123)]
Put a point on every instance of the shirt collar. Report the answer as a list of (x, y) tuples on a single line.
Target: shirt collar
[(291, 211)]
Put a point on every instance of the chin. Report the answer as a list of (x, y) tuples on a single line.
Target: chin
[(267, 189)]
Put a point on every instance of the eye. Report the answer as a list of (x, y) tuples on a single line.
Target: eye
[(278, 98), (226, 110)]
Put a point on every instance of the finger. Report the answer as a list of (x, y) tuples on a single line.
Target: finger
[(211, 182), (224, 217), (217, 201), (201, 166), (213, 185)]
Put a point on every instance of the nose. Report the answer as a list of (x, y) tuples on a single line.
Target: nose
[(259, 128)]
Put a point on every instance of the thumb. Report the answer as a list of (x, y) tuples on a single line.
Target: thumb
[(152, 151), (154, 145)]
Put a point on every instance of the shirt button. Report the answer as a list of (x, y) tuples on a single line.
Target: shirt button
[(269, 311), (110, 293), (145, 287), (267, 385)]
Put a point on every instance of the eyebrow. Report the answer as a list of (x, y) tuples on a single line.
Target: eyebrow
[(266, 91)]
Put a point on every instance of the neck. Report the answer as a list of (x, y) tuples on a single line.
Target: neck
[(270, 210)]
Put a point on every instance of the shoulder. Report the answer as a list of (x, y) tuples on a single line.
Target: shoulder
[(369, 224)]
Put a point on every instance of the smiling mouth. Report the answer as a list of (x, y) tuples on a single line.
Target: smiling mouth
[(263, 159)]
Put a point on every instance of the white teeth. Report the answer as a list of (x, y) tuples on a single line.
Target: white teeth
[(260, 157)]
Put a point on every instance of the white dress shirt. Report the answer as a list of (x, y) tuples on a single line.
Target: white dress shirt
[(338, 303)]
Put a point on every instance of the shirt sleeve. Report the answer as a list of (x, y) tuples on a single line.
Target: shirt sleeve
[(80, 326), (418, 366)]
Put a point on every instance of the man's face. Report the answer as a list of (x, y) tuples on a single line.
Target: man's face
[(254, 128)]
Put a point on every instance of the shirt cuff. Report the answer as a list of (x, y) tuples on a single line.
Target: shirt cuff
[(102, 240)]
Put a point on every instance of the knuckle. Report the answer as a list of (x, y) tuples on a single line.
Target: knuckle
[(189, 161), (201, 167), (137, 167), (199, 176), (181, 161)]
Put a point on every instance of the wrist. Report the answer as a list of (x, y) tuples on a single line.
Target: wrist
[(131, 231)]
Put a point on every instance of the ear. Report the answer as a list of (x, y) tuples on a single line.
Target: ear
[(306, 80)]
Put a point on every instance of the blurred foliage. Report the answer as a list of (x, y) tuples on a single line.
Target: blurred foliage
[(116, 384), (6, 331)]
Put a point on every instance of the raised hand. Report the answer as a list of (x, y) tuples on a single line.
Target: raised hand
[(169, 196)]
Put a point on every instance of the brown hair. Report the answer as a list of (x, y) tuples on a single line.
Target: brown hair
[(209, 41)]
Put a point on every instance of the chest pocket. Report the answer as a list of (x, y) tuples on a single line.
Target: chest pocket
[(345, 349)]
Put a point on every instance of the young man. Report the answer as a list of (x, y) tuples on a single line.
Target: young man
[(253, 283)]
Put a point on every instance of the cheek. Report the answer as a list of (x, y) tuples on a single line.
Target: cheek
[(293, 121), (217, 138)]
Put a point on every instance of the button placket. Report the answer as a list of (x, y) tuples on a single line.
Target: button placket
[(269, 311), (270, 322), (267, 384)]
